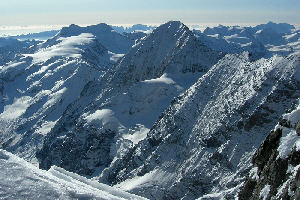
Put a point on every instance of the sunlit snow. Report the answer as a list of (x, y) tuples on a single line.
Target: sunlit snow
[(67, 47), (16, 109)]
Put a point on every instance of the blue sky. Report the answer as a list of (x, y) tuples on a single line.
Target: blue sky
[(40, 12)]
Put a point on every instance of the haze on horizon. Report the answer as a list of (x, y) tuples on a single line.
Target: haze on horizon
[(55, 12)]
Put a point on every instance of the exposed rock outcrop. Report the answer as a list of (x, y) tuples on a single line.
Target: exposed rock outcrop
[(276, 164)]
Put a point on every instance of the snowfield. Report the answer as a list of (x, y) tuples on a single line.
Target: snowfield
[(67, 48), (22, 180)]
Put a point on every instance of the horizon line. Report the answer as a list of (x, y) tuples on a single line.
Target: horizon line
[(6, 30)]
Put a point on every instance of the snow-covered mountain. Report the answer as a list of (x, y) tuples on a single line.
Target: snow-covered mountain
[(112, 40), (262, 40), (36, 88), (280, 28), (168, 114), (117, 112), (22, 180)]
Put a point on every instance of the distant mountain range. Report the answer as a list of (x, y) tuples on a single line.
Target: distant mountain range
[(44, 35)]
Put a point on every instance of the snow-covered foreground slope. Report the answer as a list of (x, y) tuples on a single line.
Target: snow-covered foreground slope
[(22, 180), (204, 141)]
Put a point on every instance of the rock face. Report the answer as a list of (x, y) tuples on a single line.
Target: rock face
[(115, 113), (298, 128), (276, 173)]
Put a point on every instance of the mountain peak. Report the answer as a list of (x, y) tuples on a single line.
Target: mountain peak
[(271, 23), (174, 22), (66, 31), (74, 29), (73, 26), (170, 48), (172, 25)]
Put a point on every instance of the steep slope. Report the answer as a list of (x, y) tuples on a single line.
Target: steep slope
[(21, 180), (204, 141), (110, 39), (116, 113), (275, 172), (36, 89)]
